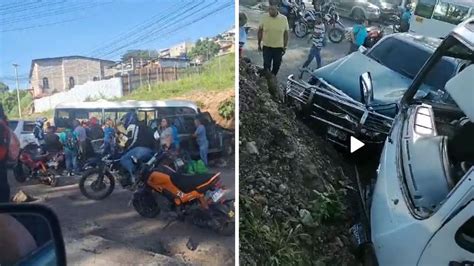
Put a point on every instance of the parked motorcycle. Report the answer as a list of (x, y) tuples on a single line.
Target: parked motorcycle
[(295, 11), (33, 163), (334, 27), (98, 180), (197, 198)]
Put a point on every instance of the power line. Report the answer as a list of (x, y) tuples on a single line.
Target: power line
[(44, 25), (148, 35), (27, 7), (136, 29), (53, 12)]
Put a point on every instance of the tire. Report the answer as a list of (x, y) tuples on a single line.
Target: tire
[(336, 35), (19, 172), (92, 175), (144, 203), (54, 181), (357, 14), (301, 29), (227, 229)]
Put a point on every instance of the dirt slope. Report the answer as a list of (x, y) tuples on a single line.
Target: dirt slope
[(210, 102), (293, 185)]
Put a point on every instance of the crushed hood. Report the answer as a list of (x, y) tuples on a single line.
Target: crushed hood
[(389, 86)]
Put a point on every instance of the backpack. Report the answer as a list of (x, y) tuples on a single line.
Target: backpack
[(71, 141)]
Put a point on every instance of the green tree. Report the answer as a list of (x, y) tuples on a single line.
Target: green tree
[(139, 54), (3, 87), (205, 49)]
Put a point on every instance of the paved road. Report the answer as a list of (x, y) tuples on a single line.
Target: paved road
[(97, 232), (297, 51)]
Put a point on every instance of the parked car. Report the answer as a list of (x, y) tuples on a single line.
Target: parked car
[(372, 10), (333, 96), (221, 140), (422, 204), (358, 9), (23, 130)]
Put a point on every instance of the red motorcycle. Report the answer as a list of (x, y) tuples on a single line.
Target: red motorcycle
[(375, 33), (35, 164)]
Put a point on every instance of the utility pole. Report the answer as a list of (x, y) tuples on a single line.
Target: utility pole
[(17, 89)]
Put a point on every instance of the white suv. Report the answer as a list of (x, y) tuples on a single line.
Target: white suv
[(23, 130)]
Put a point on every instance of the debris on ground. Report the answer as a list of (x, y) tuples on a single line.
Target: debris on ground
[(294, 186), (21, 197), (191, 244)]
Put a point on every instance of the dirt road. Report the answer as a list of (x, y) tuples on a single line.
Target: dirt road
[(297, 51), (111, 232)]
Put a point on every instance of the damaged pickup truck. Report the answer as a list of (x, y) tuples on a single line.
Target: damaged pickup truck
[(422, 204), (332, 97)]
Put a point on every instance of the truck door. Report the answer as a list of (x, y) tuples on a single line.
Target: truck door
[(453, 242)]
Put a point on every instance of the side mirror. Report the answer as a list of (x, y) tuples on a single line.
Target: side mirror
[(362, 49), (366, 88), (134, 159), (30, 234)]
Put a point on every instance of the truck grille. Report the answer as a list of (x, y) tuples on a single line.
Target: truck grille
[(298, 90), (332, 106)]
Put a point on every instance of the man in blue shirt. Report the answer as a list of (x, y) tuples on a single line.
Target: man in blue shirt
[(174, 129), (201, 140), (405, 20), (358, 35)]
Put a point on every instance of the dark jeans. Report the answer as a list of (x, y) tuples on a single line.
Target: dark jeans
[(141, 153), (4, 186), (272, 55), (71, 160), (354, 47), (314, 52)]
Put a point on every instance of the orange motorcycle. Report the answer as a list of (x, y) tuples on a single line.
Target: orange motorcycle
[(197, 198)]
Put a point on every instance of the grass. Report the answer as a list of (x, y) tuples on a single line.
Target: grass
[(218, 74)]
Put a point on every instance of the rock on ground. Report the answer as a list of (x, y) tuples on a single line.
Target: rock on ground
[(293, 184)]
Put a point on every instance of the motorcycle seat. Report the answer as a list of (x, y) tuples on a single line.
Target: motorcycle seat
[(188, 183)]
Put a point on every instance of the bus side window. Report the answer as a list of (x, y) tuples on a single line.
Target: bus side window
[(425, 8), (450, 13)]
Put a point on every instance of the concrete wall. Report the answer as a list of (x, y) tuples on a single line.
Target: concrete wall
[(60, 71), (82, 70), (51, 69), (103, 89)]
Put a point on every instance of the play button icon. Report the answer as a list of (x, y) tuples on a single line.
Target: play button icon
[(356, 144)]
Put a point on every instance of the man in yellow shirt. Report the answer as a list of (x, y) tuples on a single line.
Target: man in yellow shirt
[(273, 34)]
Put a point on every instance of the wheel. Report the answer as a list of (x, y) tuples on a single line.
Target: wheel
[(336, 35), (53, 181), (358, 14), (226, 229), (144, 203), (20, 172), (301, 29), (100, 184)]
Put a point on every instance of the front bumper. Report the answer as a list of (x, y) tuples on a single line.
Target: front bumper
[(331, 106)]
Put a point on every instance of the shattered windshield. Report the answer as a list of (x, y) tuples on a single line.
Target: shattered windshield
[(395, 54)]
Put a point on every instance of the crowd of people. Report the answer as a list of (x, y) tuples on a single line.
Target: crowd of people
[(85, 139), (273, 31)]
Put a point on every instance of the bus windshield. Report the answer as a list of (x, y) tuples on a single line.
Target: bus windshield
[(436, 18)]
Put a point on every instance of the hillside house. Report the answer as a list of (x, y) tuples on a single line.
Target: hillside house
[(51, 75)]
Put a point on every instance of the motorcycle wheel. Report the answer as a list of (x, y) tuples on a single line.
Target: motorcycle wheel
[(104, 183), (144, 203), (53, 181), (301, 29), (225, 225), (20, 173), (336, 35)]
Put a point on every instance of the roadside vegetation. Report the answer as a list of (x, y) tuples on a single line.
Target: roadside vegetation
[(218, 74)]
